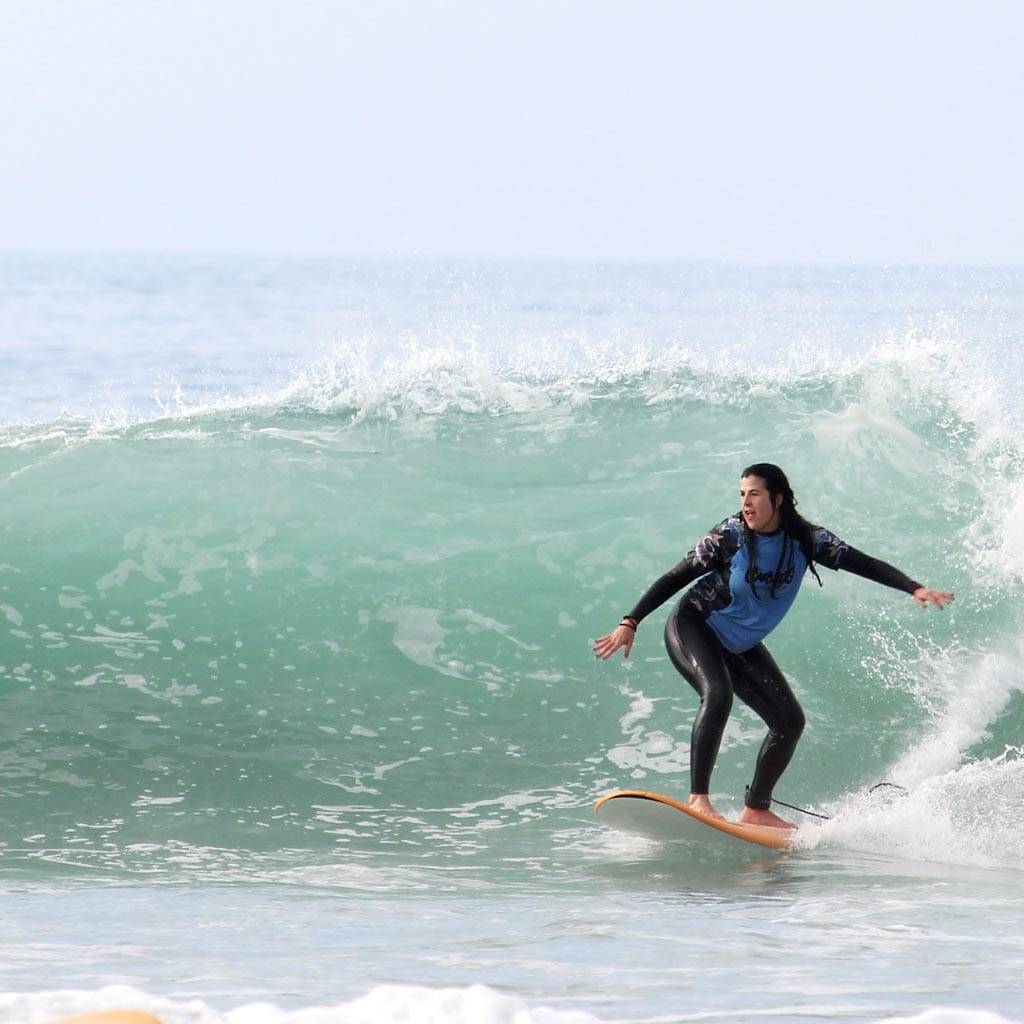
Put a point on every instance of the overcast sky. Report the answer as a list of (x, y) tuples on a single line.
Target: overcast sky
[(878, 132)]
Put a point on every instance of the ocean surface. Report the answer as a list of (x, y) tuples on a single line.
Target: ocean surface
[(301, 561)]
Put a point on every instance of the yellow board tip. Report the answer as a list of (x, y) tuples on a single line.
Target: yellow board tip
[(110, 1017)]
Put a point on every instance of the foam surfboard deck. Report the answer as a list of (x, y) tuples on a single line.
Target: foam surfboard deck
[(655, 816)]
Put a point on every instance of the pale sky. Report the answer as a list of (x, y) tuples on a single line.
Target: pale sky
[(803, 132)]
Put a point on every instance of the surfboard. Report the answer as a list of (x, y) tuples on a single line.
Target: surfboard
[(656, 816), (110, 1017)]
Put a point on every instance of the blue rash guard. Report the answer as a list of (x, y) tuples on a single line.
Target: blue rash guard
[(740, 613), (749, 617)]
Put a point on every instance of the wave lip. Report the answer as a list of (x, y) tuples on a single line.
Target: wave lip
[(433, 379)]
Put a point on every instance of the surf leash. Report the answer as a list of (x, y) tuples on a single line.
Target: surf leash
[(825, 817), (802, 810)]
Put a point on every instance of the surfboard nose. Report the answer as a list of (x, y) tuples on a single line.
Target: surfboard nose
[(110, 1017)]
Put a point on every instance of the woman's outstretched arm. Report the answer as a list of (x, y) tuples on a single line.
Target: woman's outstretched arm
[(877, 571), (716, 545), (657, 594)]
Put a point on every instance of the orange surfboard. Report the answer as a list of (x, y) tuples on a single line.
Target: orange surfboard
[(110, 1017), (655, 816)]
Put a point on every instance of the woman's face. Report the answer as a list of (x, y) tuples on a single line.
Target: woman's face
[(759, 513)]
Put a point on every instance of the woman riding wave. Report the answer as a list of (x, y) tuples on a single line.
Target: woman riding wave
[(748, 570)]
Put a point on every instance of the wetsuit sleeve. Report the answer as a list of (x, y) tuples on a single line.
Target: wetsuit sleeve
[(877, 571), (834, 553), (709, 553)]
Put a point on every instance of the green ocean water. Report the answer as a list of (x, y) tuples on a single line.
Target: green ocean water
[(362, 628), (300, 567)]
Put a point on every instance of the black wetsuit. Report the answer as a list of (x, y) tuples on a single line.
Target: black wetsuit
[(714, 636)]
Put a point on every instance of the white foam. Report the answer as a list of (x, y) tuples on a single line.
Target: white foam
[(419, 635), (942, 1015), (966, 816), (386, 1004), (432, 380), (960, 808), (858, 431), (962, 701)]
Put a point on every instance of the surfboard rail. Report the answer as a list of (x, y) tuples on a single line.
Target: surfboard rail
[(625, 810)]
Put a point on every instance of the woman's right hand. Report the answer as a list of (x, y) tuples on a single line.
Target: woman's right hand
[(621, 636), (924, 596)]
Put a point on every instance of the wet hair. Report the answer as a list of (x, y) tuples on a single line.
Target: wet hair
[(795, 528)]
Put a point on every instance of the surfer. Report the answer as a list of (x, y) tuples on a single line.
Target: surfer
[(748, 570)]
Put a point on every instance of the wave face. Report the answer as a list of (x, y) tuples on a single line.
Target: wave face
[(357, 612)]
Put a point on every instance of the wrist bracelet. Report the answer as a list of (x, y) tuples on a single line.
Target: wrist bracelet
[(630, 623)]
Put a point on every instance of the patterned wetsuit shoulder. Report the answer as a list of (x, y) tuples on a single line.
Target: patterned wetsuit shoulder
[(829, 550), (715, 552), (715, 549), (709, 557)]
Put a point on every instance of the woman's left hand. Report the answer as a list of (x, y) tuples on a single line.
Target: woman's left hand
[(925, 596)]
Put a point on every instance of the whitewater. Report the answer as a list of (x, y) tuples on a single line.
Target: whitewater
[(302, 562)]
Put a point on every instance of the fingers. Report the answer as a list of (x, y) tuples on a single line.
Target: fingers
[(926, 596), (606, 646)]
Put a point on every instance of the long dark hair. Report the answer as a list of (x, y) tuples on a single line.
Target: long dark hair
[(795, 529)]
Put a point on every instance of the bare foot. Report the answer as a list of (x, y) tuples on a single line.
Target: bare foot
[(752, 816), (702, 802)]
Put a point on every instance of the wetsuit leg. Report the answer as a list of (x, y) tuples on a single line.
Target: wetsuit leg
[(700, 658), (758, 682)]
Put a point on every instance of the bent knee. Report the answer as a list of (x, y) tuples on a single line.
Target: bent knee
[(793, 724), (716, 705)]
